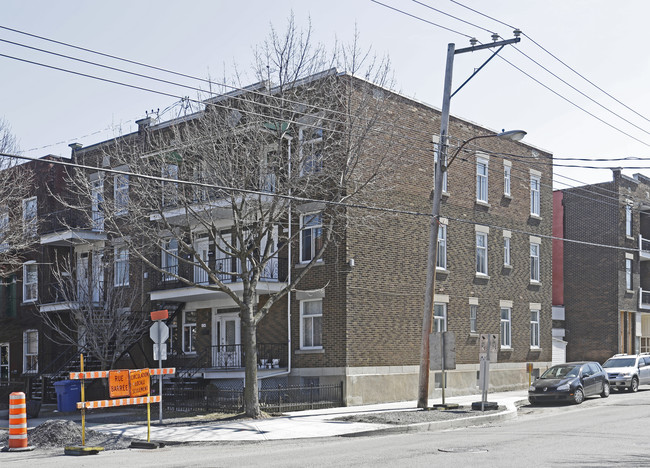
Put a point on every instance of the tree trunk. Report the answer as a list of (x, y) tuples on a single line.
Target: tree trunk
[(251, 396)]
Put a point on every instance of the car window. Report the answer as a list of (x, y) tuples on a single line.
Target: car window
[(620, 362), (647, 360), (593, 368)]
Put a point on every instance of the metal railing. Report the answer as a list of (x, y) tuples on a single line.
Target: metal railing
[(644, 246), (220, 357)]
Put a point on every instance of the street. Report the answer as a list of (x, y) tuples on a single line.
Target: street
[(599, 432)]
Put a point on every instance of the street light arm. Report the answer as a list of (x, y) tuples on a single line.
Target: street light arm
[(514, 135)]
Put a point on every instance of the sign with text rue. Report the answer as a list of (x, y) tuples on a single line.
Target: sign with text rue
[(118, 384), (139, 381)]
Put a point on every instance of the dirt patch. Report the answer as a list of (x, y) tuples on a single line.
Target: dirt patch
[(415, 416)]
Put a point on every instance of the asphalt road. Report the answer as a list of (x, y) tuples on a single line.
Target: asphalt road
[(600, 432)]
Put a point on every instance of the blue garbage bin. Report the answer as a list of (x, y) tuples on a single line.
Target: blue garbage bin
[(68, 393)]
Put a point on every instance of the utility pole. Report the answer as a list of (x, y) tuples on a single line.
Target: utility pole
[(432, 259)]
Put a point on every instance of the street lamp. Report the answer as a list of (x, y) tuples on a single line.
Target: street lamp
[(512, 135), (427, 318)]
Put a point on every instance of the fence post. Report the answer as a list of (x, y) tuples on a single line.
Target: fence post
[(311, 395)]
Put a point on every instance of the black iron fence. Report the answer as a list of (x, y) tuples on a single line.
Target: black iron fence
[(278, 399)]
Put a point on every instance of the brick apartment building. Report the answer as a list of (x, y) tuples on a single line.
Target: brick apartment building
[(356, 316), (605, 276)]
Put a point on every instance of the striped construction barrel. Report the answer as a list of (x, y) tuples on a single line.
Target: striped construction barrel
[(17, 420)]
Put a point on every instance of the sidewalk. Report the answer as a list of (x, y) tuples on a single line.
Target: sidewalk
[(317, 423), (296, 425)]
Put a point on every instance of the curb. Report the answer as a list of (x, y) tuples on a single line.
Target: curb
[(508, 413)]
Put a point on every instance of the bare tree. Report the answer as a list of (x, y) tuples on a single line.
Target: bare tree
[(103, 321), (18, 217), (260, 169)]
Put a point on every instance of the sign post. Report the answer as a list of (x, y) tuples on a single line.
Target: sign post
[(159, 333), (488, 349)]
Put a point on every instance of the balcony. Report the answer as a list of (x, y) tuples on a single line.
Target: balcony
[(644, 299), (171, 289), (69, 227)]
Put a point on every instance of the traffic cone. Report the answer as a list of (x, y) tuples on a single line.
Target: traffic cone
[(18, 422)]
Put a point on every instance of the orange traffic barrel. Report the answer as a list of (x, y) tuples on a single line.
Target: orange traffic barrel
[(17, 420)]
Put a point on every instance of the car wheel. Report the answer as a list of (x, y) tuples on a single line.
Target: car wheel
[(634, 386), (531, 400), (578, 396), (605, 392)]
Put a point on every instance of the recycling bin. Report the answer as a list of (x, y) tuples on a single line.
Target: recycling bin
[(68, 393)]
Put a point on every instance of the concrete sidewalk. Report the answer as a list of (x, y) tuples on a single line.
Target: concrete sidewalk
[(316, 423)]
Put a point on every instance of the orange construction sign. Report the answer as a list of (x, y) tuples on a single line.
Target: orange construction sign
[(139, 380), (118, 402), (118, 384)]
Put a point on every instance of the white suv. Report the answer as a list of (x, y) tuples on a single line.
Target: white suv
[(628, 371)]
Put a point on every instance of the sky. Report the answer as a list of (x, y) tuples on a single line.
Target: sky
[(600, 40)]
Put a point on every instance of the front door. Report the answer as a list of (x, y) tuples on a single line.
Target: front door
[(202, 247), (82, 277), (226, 340)]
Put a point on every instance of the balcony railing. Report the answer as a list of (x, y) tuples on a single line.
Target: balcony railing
[(274, 270), (644, 299), (224, 357), (644, 248), (63, 220)]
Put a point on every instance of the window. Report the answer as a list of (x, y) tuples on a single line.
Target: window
[(473, 315), (440, 317), (535, 208), (628, 220), (173, 329), (311, 324), (482, 180), (121, 193), (311, 238), (311, 150), (189, 331), (481, 253), (506, 251), (169, 259), (506, 327), (534, 328), (30, 282), (441, 261), (506, 178), (97, 195), (29, 216), (30, 351), (169, 189), (4, 363), (121, 266), (534, 263), (4, 229), (436, 153), (628, 274)]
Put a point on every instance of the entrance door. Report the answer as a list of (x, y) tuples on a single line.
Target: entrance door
[(97, 277), (4, 362), (226, 337), (82, 277), (202, 246)]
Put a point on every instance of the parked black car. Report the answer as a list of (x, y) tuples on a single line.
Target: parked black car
[(573, 381)]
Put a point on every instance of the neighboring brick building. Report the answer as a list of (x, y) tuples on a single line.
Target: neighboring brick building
[(356, 317), (606, 273)]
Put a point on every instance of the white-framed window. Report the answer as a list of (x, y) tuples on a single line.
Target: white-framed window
[(121, 266), (30, 211), (311, 150), (436, 153), (169, 259), (311, 237), (189, 331), (97, 202), (30, 281), (473, 317), (506, 178), (311, 324), (628, 274), (481, 253), (534, 328), (4, 363), (200, 193), (506, 327), (30, 351), (169, 189), (173, 330), (121, 193), (4, 228), (534, 263), (482, 180), (440, 317), (535, 204), (628, 220), (441, 261), (506, 251)]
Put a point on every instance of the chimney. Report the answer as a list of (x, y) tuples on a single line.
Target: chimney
[(74, 147), (143, 124), (616, 173)]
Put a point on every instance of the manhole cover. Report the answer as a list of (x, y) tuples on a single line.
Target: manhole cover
[(463, 450)]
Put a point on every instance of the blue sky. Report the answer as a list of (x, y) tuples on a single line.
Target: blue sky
[(48, 109)]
